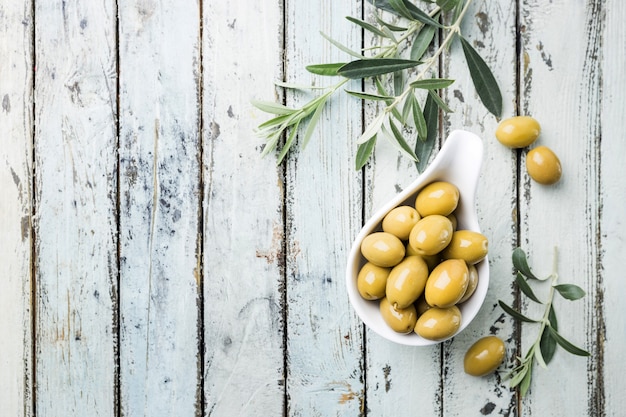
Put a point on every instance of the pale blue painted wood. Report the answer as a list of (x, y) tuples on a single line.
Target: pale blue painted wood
[(16, 153), (243, 203), (323, 214), (159, 203), (612, 233), (75, 226), (560, 83)]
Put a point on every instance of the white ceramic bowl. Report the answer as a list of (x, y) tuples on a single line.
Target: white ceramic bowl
[(458, 162)]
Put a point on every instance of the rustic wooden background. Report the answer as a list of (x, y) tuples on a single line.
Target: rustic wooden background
[(154, 265)]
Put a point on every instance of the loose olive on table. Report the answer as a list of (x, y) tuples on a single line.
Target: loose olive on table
[(484, 356), (518, 131), (412, 269), (543, 165)]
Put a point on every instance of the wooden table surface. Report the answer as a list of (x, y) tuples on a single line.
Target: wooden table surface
[(153, 264)]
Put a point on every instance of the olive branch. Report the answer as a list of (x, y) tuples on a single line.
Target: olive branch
[(548, 337), (400, 109)]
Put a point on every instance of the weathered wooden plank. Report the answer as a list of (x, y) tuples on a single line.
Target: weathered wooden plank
[(324, 337), (491, 29), (560, 82), (243, 274), (400, 379), (75, 200), (16, 119), (610, 322), (159, 67)]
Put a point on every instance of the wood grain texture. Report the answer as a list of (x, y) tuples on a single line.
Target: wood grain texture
[(324, 337), (400, 379), (16, 119), (75, 200), (611, 331), (243, 273), (491, 30), (560, 86), (160, 349)]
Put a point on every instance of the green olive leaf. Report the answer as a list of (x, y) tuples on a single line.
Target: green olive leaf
[(364, 151), (430, 118), (514, 313), (390, 26), (312, 123), (447, 5), (288, 143), (367, 26), (539, 357), (419, 119), (404, 146), (517, 376), (422, 41), (440, 103), (407, 108), (271, 107), (547, 345), (522, 284), (369, 96), (340, 46), (325, 69), (484, 81), (570, 291), (363, 68), (525, 384), (432, 83), (521, 264), (565, 344)]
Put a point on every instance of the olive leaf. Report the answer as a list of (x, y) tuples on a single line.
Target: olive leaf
[(525, 288), (432, 83), (325, 69), (364, 151), (547, 344), (363, 68), (565, 344), (484, 81), (521, 264), (368, 96), (447, 5), (440, 103), (570, 291), (341, 46), (390, 26), (421, 41), (367, 26), (273, 108), (514, 313), (425, 144), (420, 121)]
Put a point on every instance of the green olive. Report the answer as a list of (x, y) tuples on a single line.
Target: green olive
[(518, 131), (484, 356), (468, 245), (401, 320), (422, 306), (372, 281), (406, 281), (447, 283), (431, 260), (438, 323), (400, 221), (382, 249), (453, 220), (543, 165), (439, 197), (472, 284), (431, 234)]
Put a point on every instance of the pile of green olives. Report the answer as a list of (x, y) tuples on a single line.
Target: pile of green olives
[(419, 267)]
